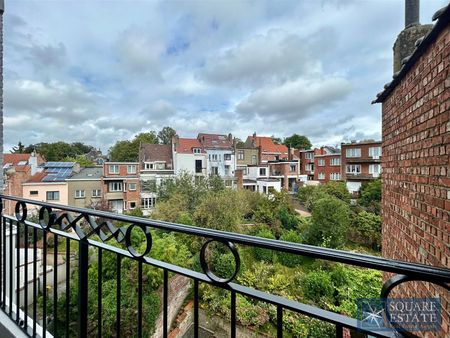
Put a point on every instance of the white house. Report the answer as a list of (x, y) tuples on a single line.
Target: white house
[(189, 156)]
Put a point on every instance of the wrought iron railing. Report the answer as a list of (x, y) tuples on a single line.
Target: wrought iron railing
[(79, 225)]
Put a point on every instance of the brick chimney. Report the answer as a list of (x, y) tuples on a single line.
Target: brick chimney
[(405, 43)]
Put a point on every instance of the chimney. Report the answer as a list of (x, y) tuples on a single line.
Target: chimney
[(412, 12), (405, 44)]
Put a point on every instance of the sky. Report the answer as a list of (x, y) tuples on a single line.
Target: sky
[(102, 71)]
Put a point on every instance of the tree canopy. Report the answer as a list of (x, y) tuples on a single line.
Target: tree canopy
[(128, 151), (57, 151), (298, 142), (165, 135)]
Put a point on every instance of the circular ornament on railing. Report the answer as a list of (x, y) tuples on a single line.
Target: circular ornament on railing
[(42, 213), (148, 238), (207, 270), (21, 211)]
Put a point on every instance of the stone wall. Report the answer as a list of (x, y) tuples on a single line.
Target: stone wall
[(416, 170)]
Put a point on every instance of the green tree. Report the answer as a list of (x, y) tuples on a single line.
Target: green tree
[(80, 159), (371, 196), (366, 229), (288, 259), (318, 287), (336, 189), (19, 149), (58, 151), (128, 151), (298, 142), (165, 135), (330, 222), (264, 254)]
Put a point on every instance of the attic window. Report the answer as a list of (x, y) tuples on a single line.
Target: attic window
[(7, 165), (196, 150), (22, 163)]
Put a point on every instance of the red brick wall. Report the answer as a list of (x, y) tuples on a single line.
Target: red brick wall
[(327, 169), (416, 170)]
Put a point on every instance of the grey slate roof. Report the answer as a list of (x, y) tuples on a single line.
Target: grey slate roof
[(88, 173), (443, 20)]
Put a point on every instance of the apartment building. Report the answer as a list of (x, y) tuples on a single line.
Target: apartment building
[(17, 169), (85, 188), (189, 156), (361, 162), (307, 165), (328, 165), (155, 167), (220, 154), (120, 185), (287, 172), (257, 178), (49, 183), (246, 156)]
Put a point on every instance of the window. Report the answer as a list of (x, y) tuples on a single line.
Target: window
[(148, 186), (375, 152), (34, 192), (214, 157), (80, 194), (375, 169), (96, 193), (292, 168), (131, 169), (147, 203), (198, 166), (335, 161), (148, 166), (262, 171), (132, 186), (353, 169), (196, 150), (309, 156), (52, 195), (310, 167), (227, 170), (321, 176), (115, 186), (353, 152), (227, 157), (132, 205), (240, 154), (215, 170), (335, 176), (321, 162), (22, 163), (253, 159), (113, 169)]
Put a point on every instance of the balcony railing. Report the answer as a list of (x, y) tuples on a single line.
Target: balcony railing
[(92, 230)]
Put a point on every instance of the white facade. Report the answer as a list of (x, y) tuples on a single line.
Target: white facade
[(353, 187), (263, 186), (190, 163), (221, 162)]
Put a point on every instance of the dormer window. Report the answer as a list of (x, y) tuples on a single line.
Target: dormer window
[(196, 150)]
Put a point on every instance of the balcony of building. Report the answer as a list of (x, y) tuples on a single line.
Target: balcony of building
[(363, 159), (105, 240)]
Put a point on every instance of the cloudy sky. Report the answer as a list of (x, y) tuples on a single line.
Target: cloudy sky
[(100, 71)]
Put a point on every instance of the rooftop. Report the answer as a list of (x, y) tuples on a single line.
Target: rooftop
[(156, 152), (88, 173)]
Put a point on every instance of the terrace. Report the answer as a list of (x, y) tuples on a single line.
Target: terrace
[(87, 236)]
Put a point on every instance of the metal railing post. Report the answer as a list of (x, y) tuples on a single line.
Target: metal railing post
[(83, 256)]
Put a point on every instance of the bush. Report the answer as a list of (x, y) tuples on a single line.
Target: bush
[(330, 222), (366, 229), (289, 221), (318, 287), (264, 254), (288, 259), (371, 196)]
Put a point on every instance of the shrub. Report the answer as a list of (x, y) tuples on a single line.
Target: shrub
[(318, 287), (264, 254), (288, 259)]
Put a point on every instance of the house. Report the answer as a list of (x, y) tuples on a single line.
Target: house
[(268, 149), (96, 156), (189, 156), (416, 148), (287, 172), (49, 184), (257, 178), (361, 162), (85, 187), (155, 167), (246, 156), (307, 162), (328, 165), (120, 185), (17, 169), (220, 155)]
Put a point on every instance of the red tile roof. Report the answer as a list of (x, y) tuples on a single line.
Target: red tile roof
[(36, 178), (15, 158), (215, 141), (185, 145), (156, 152), (268, 146)]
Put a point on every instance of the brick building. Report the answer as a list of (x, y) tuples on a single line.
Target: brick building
[(268, 150), (328, 166), (121, 187), (17, 169), (416, 161), (307, 162), (360, 163)]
